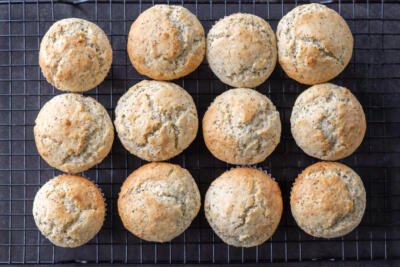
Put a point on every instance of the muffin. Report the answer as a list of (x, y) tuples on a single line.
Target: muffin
[(158, 201), (315, 44), (156, 120), (75, 55), (241, 50), (69, 210), (328, 122), (73, 132), (328, 200), (243, 207), (166, 42), (241, 126)]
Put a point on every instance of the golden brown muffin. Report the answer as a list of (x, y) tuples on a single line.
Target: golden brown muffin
[(241, 50), (75, 55), (166, 42), (315, 43), (156, 120), (328, 122), (328, 200), (244, 207), (69, 210), (73, 132), (158, 201), (241, 126)]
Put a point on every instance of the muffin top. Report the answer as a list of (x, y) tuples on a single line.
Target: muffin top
[(328, 122), (73, 132), (328, 200), (241, 126), (158, 201), (69, 210), (315, 44), (156, 120), (75, 55), (241, 50), (166, 42), (243, 206)]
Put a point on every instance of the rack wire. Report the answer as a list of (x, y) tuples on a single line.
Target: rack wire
[(373, 75)]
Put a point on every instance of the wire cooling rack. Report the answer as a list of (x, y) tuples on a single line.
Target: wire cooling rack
[(373, 76)]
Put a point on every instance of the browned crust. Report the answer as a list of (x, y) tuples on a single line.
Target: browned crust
[(154, 35), (75, 55), (314, 44), (244, 207), (70, 211), (80, 187), (64, 128), (158, 212), (156, 120), (245, 133), (324, 206), (340, 110), (241, 50)]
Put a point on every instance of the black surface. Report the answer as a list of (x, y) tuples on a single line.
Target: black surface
[(373, 76), (381, 263)]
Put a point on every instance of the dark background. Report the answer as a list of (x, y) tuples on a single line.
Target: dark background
[(373, 76)]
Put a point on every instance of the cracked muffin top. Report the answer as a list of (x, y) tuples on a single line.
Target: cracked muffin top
[(241, 126), (156, 120), (241, 50), (69, 210), (166, 42), (158, 201), (328, 200), (328, 122), (73, 132), (315, 44), (243, 207), (75, 55)]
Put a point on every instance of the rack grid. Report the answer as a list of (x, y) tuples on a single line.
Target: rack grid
[(373, 75)]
